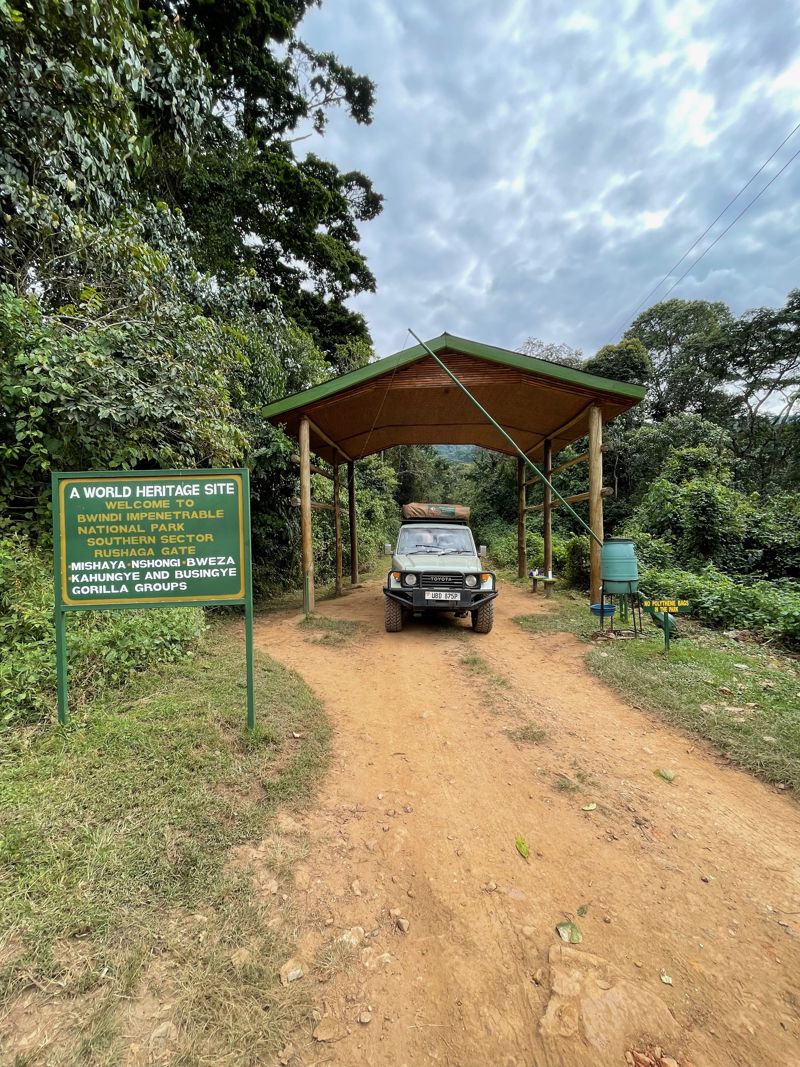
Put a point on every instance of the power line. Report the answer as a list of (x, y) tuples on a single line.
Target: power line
[(713, 224), (783, 168)]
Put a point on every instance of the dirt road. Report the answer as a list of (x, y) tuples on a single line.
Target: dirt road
[(698, 879)]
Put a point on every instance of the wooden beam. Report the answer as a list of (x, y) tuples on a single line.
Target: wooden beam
[(556, 435), (351, 500), (305, 511), (337, 523), (569, 463), (326, 439), (315, 505), (571, 500), (547, 508), (595, 499), (522, 556), (314, 469)]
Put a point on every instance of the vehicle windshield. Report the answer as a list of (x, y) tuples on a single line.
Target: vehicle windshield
[(438, 541)]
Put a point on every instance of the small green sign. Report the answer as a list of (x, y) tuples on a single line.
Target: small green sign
[(151, 539), (673, 607)]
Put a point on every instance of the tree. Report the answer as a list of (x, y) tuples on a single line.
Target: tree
[(552, 352), (627, 361), (254, 203), (679, 380), (86, 98)]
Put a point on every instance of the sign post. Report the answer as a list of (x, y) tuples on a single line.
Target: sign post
[(151, 539), (663, 611)]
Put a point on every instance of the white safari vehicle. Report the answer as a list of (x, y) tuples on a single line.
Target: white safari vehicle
[(436, 567)]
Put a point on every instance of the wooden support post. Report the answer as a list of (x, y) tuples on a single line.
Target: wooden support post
[(351, 500), (305, 512), (522, 555), (547, 532), (595, 498), (337, 523)]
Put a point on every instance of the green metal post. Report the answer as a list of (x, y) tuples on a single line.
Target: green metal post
[(510, 440), (667, 621), (248, 625), (248, 604), (61, 665)]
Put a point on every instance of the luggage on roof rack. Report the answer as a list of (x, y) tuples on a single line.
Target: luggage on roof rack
[(435, 511)]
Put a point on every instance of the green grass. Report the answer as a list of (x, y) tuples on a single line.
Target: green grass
[(327, 631), (116, 831), (686, 687), (529, 734)]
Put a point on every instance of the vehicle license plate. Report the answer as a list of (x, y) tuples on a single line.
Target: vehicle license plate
[(442, 596)]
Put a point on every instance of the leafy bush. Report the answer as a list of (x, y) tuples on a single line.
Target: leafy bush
[(771, 608), (576, 567), (103, 647)]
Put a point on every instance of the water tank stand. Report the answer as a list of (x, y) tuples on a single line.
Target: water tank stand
[(630, 603)]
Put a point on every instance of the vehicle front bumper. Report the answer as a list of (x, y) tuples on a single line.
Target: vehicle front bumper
[(414, 599)]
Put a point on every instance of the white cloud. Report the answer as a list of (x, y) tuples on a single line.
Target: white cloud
[(543, 171)]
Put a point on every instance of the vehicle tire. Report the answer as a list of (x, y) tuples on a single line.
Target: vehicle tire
[(483, 618), (394, 616)]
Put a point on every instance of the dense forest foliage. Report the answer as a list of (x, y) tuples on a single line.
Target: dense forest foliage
[(171, 261)]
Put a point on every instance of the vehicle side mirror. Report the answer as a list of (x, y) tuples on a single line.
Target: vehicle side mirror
[(482, 550), (387, 550)]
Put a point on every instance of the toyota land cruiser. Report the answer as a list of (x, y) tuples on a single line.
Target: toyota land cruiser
[(436, 567)]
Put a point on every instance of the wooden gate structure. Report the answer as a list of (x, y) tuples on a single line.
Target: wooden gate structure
[(407, 399)]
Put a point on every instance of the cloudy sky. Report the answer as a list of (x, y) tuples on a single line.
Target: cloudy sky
[(546, 163)]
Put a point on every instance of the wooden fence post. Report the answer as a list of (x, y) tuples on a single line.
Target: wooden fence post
[(595, 498), (305, 511), (351, 500), (522, 555), (337, 524), (547, 470)]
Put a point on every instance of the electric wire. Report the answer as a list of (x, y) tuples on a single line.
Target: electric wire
[(707, 229), (783, 168)]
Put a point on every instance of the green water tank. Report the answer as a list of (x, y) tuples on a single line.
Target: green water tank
[(619, 569)]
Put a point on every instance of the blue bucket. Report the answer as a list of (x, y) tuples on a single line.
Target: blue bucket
[(606, 610)]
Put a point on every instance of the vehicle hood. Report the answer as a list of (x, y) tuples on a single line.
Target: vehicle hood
[(429, 563)]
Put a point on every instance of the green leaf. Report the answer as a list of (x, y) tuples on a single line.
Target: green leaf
[(522, 846), (570, 932), (668, 776), (582, 910)]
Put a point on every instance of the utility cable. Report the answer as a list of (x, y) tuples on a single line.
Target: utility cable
[(783, 168), (702, 235)]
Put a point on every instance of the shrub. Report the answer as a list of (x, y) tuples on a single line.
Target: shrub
[(103, 647), (576, 563), (771, 608)]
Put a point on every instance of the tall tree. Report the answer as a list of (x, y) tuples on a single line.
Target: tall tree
[(679, 383), (252, 200)]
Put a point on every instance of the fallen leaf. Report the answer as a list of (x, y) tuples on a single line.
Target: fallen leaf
[(766, 737), (668, 776), (582, 910), (665, 978), (522, 846), (569, 932), (589, 807)]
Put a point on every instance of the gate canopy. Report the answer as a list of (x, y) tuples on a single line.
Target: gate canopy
[(407, 399)]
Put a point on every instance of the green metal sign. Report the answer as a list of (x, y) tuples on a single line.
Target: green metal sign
[(151, 539), (662, 611), (674, 607)]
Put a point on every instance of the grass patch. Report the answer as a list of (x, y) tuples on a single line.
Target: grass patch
[(744, 698), (529, 734), (116, 836), (475, 664), (327, 631)]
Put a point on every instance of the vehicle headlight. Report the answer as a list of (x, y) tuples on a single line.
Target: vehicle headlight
[(471, 580), (411, 579)]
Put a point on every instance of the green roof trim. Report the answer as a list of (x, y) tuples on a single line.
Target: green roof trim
[(458, 344)]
